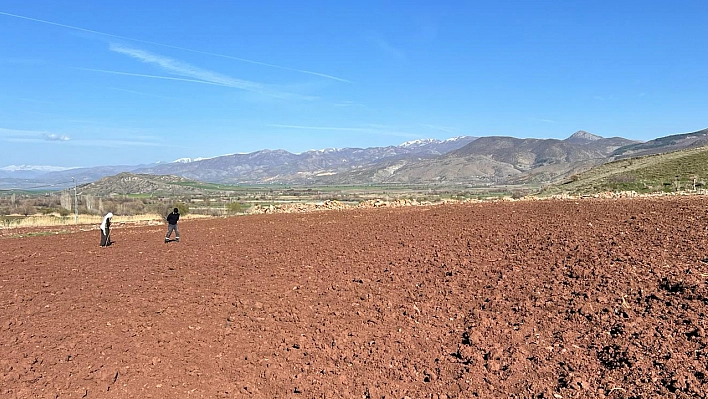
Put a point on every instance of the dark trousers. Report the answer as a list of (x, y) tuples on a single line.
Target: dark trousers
[(170, 229), (105, 237)]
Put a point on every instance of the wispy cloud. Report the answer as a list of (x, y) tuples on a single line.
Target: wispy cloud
[(21, 61), (544, 120), (102, 137), (56, 137), (142, 75), (322, 75), (107, 143), (183, 69), (34, 100), (30, 136), (348, 104), (41, 136), (371, 129), (387, 47), (194, 74), (141, 93), (333, 128), (445, 129)]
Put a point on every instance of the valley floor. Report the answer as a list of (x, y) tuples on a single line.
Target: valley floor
[(552, 299)]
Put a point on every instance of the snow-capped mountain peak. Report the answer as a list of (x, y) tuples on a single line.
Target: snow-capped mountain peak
[(418, 143), (323, 151), (188, 160), (453, 139)]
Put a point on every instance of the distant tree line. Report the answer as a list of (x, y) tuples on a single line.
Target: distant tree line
[(62, 203)]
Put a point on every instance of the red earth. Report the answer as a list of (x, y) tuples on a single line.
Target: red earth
[(544, 299)]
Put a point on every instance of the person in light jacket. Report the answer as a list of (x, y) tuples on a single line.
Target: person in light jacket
[(106, 230), (172, 219)]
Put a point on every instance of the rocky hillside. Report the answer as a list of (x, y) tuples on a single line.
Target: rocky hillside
[(683, 170), (495, 160), (663, 145), (128, 183)]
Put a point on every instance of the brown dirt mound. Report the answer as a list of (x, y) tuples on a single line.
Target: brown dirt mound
[(550, 299)]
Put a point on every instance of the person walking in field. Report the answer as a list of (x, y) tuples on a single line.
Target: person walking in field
[(172, 219), (106, 230)]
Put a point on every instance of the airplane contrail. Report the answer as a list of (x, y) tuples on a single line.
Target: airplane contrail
[(323, 75), (141, 75), (255, 88)]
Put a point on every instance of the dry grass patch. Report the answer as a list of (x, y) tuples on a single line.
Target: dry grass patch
[(16, 221)]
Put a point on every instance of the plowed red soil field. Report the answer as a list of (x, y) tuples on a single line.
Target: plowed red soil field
[(546, 299)]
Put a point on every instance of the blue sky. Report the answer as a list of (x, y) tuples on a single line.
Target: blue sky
[(88, 83)]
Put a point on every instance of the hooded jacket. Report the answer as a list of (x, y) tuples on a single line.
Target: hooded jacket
[(172, 218)]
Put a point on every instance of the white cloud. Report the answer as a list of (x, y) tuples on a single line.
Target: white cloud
[(30, 136), (56, 137), (34, 136)]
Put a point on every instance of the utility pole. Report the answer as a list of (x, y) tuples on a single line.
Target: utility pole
[(76, 203)]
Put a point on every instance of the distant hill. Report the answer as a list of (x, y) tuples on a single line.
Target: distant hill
[(260, 167), (582, 137), (129, 183), (465, 160), (85, 175), (526, 154), (663, 145), (279, 166), (651, 173), (495, 160)]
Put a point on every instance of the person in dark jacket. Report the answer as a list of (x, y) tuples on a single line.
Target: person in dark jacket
[(172, 219), (106, 230)]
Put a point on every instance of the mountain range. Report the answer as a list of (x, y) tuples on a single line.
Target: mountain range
[(465, 160)]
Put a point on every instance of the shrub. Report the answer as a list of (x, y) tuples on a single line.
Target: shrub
[(46, 210), (215, 212), (234, 207), (27, 210)]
